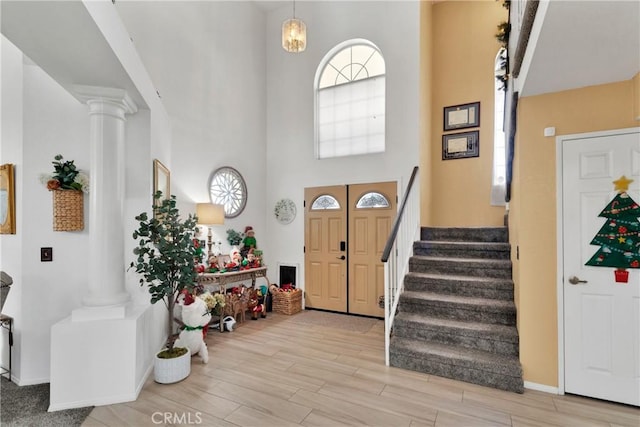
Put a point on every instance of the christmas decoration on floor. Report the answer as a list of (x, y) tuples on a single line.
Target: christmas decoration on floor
[(619, 237)]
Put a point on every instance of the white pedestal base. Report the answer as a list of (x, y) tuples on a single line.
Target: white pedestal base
[(101, 362)]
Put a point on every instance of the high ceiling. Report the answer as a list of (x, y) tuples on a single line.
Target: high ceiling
[(584, 43), (577, 43)]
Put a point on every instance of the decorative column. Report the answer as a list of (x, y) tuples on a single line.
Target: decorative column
[(107, 110)]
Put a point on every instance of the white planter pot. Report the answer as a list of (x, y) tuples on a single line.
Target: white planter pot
[(168, 371)]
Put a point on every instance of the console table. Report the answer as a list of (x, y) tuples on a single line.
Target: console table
[(222, 279)]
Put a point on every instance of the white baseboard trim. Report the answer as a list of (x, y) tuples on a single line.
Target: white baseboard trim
[(32, 381), (541, 387), (110, 400)]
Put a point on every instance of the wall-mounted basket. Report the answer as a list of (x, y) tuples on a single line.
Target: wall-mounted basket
[(68, 210)]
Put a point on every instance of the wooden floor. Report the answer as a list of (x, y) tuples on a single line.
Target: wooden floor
[(282, 372)]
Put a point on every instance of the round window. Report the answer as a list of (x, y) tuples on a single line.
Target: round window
[(227, 188)]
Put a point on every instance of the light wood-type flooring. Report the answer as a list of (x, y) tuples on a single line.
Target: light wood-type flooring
[(279, 371)]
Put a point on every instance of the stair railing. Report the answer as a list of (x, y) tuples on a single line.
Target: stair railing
[(397, 251)]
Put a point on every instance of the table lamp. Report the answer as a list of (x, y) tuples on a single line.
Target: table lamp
[(210, 214)]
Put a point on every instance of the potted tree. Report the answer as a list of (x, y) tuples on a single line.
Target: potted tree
[(165, 254)]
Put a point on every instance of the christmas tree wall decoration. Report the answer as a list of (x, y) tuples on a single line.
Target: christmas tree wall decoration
[(619, 237)]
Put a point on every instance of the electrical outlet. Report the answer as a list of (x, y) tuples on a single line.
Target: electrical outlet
[(46, 254)]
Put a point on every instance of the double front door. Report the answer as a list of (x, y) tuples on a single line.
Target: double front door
[(346, 228)]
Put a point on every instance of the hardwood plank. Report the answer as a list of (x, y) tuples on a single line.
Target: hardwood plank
[(448, 419), (391, 404), (531, 412), (416, 383), (250, 417), (331, 377), (442, 404), (196, 398), (263, 401), (597, 411), (348, 413), (279, 371)]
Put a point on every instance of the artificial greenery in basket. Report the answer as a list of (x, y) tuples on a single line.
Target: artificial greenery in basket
[(65, 176), (165, 254), (234, 237)]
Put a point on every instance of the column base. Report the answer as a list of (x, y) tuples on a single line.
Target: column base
[(103, 362)]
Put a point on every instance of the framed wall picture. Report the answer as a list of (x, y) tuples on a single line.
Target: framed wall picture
[(7, 200), (462, 116), (460, 145), (161, 180)]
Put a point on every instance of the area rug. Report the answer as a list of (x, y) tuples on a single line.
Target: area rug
[(336, 320), (27, 406)]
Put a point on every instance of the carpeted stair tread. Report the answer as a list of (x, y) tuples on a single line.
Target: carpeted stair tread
[(463, 364), (467, 234), (465, 245), (488, 362), (495, 282), (447, 299), (492, 263), (509, 333)]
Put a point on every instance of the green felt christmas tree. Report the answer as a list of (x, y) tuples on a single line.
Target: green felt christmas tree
[(619, 237)]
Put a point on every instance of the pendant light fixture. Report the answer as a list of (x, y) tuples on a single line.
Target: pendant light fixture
[(294, 33)]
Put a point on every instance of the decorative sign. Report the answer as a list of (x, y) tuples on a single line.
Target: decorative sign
[(619, 237), (285, 211)]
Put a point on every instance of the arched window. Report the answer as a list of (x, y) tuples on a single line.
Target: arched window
[(325, 202), (372, 200), (350, 101), (498, 184)]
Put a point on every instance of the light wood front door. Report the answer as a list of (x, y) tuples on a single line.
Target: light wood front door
[(601, 315), (372, 208), (325, 239)]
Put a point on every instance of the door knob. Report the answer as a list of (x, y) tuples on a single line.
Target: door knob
[(575, 281), (341, 257)]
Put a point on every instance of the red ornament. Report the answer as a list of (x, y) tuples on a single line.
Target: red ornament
[(635, 263), (622, 229)]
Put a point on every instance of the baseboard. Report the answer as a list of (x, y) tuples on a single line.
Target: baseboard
[(541, 387), (32, 381), (110, 400)]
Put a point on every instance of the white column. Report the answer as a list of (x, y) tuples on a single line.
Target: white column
[(107, 109)]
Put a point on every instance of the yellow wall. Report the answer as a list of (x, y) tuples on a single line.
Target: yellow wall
[(533, 208), (426, 55), (463, 49)]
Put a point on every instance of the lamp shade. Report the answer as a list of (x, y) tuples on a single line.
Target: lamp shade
[(294, 35), (210, 214)]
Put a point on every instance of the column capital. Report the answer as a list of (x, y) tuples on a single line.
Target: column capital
[(109, 95)]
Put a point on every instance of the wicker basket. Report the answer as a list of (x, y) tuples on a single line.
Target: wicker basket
[(68, 210), (287, 302)]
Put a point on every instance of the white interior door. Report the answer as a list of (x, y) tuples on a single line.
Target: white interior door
[(601, 316)]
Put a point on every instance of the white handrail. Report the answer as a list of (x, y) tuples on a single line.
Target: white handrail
[(399, 249)]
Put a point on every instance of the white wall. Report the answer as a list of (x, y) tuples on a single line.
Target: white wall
[(43, 293), (208, 64), (237, 99), (11, 152), (394, 27)]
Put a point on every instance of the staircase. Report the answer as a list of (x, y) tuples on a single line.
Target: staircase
[(457, 318)]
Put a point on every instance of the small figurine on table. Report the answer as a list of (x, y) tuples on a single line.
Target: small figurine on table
[(249, 243)]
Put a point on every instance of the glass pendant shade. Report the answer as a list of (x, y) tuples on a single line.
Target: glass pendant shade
[(294, 35)]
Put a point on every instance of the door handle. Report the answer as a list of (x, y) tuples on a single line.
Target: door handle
[(576, 281), (341, 257)]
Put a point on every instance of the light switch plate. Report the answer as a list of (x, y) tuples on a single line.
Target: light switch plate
[(46, 254)]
